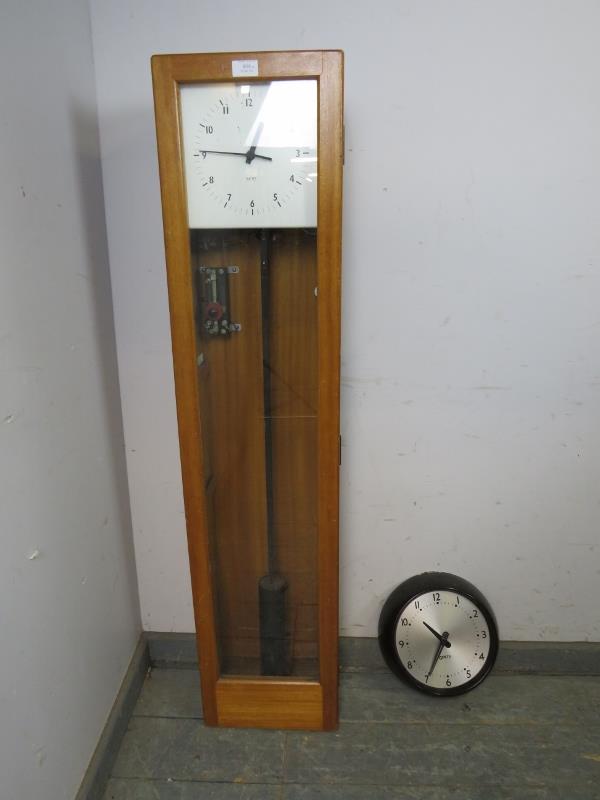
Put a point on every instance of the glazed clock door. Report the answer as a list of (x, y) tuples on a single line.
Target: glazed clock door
[(251, 185)]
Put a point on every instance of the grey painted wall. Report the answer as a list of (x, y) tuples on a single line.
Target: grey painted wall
[(471, 277), (69, 614)]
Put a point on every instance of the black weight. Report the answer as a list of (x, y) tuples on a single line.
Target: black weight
[(274, 659)]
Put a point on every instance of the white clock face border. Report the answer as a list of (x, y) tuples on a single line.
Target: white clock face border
[(469, 636), (250, 154)]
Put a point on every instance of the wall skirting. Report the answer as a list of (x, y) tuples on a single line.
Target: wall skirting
[(99, 769), (178, 650)]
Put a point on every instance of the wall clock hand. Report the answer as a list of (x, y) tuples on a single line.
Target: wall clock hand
[(231, 153), (251, 154), (443, 637), (436, 657), (438, 652)]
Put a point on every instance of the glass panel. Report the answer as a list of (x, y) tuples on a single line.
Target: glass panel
[(250, 155)]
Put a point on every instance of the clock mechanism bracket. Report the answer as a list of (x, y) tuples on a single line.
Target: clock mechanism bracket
[(212, 297)]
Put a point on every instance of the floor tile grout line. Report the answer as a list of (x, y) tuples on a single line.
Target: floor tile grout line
[(455, 723), (201, 781), (190, 780), (281, 792), (284, 759), (444, 784), (167, 716), (350, 673), (387, 722)]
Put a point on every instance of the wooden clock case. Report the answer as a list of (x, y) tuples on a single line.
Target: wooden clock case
[(221, 418)]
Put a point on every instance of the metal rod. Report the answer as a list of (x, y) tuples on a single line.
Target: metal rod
[(265, 291)]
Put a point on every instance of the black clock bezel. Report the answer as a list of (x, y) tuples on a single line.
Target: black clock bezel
[(407, 592)]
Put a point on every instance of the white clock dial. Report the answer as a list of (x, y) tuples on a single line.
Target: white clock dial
[(442, 639), (250, 154)]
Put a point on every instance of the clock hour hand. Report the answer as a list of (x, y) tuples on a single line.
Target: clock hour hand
[(442, 637), (230, 153), (251, 154)]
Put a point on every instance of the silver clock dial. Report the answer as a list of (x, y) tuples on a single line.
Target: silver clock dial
[(250, 154), (442, 639)]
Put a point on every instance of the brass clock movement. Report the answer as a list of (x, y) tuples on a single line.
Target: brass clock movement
[(250, 153)]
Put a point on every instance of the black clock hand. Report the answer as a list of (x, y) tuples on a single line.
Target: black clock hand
[(251, 154), (443, 637), (443, 643), (438, 652), (230, 153)]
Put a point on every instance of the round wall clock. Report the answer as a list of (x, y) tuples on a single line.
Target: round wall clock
[(438, 632)]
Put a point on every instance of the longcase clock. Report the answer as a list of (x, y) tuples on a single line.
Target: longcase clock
[(250, 152)]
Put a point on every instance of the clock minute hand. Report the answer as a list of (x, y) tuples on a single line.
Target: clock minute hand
[(231, 153), (436, 658)]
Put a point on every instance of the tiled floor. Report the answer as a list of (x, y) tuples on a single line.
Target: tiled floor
[(514, 738)]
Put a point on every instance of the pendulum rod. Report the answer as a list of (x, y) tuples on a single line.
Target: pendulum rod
[(265, 293), (272, 587)]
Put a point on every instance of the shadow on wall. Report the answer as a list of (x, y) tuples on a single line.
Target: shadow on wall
[(86, 142)]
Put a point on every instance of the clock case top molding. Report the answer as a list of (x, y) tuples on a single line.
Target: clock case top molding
[(230, 699)]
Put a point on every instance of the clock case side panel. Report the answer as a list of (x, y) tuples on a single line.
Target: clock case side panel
[(178, 260), (223, 698), (329, 259)]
